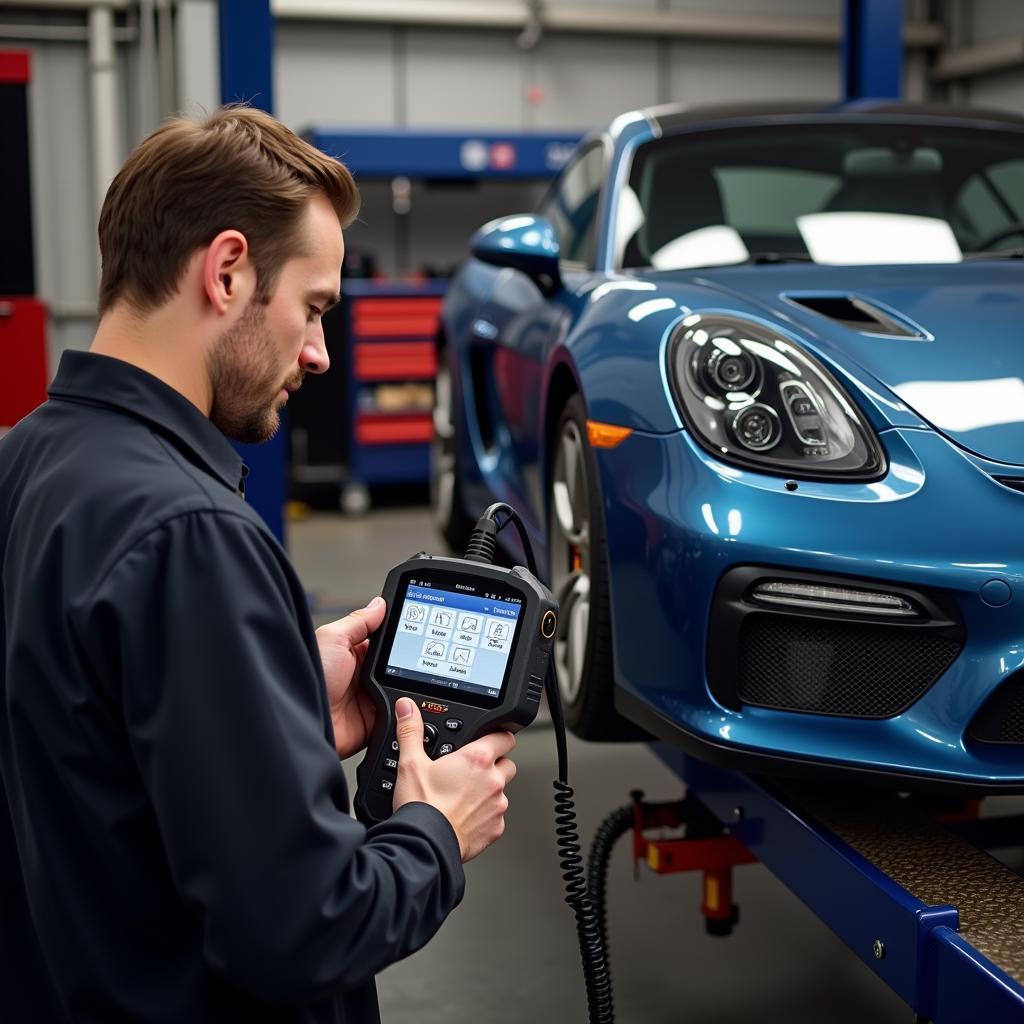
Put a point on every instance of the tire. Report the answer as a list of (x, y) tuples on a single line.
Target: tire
[(445, 479), (578, 571)]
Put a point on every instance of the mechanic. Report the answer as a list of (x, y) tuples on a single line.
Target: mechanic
[(176, 819)]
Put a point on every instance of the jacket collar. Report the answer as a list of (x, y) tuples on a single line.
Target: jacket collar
[(104, 381)]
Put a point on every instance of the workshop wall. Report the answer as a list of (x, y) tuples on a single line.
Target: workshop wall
[(992, 21), (337, 73), (405, 76)]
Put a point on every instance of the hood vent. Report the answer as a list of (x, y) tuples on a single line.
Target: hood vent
[(1016, 482), (861, 315)]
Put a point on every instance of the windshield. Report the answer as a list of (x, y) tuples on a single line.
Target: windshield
[(823, 193)]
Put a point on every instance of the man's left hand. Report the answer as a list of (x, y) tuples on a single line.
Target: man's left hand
[(343, 646)]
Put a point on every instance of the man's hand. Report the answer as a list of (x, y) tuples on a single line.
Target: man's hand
[(466, 786), (343, 646)]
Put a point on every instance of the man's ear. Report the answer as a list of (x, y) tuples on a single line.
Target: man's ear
[(229, 278)]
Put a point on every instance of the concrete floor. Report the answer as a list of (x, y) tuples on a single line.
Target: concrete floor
[(509, 952)]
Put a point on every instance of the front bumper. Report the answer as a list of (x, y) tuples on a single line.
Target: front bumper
[(677, 520)]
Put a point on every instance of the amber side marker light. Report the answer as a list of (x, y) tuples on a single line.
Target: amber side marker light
[(606, 435)]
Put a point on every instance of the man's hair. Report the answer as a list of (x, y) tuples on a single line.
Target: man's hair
[(187, 182)]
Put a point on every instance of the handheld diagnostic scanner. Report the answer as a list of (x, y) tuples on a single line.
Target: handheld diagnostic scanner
[(470, 644)]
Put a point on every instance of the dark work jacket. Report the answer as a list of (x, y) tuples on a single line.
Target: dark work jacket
[(174, 836)]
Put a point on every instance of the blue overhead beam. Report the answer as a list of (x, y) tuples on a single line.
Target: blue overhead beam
[(872, 49), (415, 153), (246, 75)]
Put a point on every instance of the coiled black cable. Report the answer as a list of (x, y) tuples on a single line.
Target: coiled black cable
[(600, 1007), (589, 929), (608, 833)]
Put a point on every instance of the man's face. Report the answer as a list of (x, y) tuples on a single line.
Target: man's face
[(260, 359)]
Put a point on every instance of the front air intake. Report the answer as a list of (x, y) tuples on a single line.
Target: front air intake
[(860, 670), (1001, 718), (820, 644)]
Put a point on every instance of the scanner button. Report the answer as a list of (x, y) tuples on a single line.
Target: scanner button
[(429, 735), (547, 624), (453, 724), (387, 785), (391, 764), (445, 748)]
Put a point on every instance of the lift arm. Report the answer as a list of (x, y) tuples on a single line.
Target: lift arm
[(935, 917)]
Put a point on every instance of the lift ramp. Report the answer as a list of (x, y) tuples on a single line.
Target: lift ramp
[(920, 901)]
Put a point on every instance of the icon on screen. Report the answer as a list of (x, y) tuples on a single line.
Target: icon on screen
[(499, 631), (461, 655), (443, 619), (435, 650), (470, 624)]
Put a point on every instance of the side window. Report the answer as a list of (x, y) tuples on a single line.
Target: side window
[(572, 205)]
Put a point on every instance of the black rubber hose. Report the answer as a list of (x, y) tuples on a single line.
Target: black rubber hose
[(616, 825)]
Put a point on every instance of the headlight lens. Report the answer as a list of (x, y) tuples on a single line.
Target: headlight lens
[(755, 398)]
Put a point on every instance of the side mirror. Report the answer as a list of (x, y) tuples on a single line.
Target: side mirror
[(527, 243)]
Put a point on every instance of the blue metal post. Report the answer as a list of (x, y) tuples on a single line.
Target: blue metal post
[(872, 49), (246, 74)]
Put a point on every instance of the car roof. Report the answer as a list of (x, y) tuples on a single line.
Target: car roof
[(674, 117)]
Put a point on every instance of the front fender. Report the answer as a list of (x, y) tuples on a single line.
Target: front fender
[(617, 350)]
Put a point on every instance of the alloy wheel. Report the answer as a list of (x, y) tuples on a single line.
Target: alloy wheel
[(571, 558)]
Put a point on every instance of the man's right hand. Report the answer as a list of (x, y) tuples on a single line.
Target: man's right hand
[(466, 786)]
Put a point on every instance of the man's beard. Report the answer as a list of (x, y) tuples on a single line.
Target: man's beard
[(244, 380)]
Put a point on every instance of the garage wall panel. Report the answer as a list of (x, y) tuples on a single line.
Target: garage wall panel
[(335, 74), (463, 79), (778, 8), (995, 19), (588, 81), (727, 72), (989, 21), (1004, 90)]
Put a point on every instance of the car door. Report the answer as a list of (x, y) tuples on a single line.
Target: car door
[(525, 324)]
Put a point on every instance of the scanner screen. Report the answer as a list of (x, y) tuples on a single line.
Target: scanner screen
[(455, 639)]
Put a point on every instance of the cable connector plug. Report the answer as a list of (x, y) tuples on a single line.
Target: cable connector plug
[(482, 542)]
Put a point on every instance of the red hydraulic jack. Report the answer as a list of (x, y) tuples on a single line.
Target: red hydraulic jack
[(704, 846)]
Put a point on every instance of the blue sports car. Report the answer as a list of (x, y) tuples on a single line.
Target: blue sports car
[(755, 379)]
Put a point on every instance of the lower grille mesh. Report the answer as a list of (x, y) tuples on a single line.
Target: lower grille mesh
[(1001, 720), (830, 668)]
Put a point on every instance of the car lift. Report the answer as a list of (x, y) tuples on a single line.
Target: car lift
[(906, 884)]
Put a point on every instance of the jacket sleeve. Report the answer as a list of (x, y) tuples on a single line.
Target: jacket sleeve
[(224, 702)]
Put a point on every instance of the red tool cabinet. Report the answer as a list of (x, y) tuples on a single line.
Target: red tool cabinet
[(23, 363)]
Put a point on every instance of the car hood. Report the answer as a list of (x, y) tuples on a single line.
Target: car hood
[(947, 339)]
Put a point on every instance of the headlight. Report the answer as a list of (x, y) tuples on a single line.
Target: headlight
[(755, 398)]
